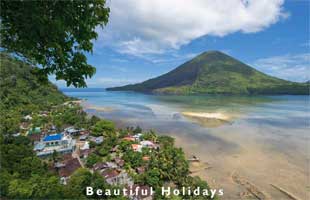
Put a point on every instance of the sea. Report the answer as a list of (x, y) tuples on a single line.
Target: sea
[(264, 140)]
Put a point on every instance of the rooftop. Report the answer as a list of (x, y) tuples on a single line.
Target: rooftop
[(53, 137), (69, 168), (110, 173)]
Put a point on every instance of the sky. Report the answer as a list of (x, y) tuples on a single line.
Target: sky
[(145, 39)]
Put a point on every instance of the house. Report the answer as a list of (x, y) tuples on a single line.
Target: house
[(104, 165), (140, 170), (60, 143), (16, 134), (53, 128), (24, 125), (120, 162), (72, 131), (129, 138), (83, 137), (114, 177), (145, 158), (84, 132), (67, 168), (43, 115), (149, 144), (140, 192), (138, 136), (35, 130), (136, 147), (44, 112), (97, 140), (85, 146), (67, 157), (35, 137), (27, 117), (114, 149), (85, 152)]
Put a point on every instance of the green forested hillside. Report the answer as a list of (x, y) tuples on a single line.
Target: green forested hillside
[(22, 93), (24, 175), (214, 72)]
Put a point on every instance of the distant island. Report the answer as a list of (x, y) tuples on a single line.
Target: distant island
[(214, 72)]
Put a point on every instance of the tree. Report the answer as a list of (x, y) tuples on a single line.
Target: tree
[(152, 178), (151, 135), (53, 34), (77, 184), (134, 159), (92, 159), (55, 156), (20, 189), (137, 130), (104, 127), (93, 120), (82, 178)]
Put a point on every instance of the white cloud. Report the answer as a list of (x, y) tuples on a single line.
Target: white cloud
[(290, 67), (115, 68), (102, 82), (140, 27)]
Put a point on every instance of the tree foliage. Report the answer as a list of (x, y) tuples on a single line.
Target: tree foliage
[(103, 127), (53, 34)]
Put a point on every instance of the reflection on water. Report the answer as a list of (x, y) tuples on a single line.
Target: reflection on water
[(266, 141), (282, 111)]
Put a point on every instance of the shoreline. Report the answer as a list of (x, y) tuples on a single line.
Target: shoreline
[(242, 162), (88, 106)]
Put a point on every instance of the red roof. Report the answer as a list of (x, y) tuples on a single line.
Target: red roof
[(145, 158), (129, 138), (136, 147)]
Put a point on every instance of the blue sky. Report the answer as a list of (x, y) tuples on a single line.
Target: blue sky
[(144, 39)]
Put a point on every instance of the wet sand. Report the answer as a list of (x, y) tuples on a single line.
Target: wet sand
[(254, 164), (250, 158), (88, 106), (247, 161), (214, 119)]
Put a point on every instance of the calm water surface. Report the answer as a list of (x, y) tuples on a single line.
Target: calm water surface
[(266, 142), (282, 111)]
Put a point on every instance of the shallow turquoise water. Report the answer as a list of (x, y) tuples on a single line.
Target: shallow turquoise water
[(283, 111)]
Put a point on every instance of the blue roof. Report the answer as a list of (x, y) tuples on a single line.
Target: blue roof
[(53, 137)]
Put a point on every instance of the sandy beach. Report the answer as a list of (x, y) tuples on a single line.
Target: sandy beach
[(252, 169), (214, 119)]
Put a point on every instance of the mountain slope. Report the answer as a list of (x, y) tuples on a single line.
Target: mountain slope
[(214, 72), (22, 93), (21, 87)]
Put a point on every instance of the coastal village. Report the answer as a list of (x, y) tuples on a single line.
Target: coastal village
[(69, 149), (52, 149)]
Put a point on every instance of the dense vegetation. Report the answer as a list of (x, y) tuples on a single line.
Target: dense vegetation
[(25, 176), (22, 93), (216, 73), (53, 34)]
